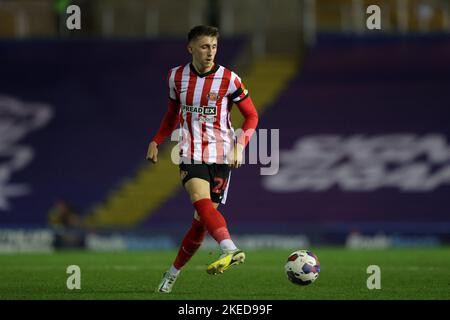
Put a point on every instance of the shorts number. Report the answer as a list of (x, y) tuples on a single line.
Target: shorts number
[(220, 186)]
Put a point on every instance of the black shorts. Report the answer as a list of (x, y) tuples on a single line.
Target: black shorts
[(218, 176)]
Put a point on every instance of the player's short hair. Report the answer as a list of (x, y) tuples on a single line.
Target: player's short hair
[(202, 30)]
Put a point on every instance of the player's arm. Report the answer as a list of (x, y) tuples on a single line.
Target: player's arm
[(245, 105), (248, 110), (169, 123)]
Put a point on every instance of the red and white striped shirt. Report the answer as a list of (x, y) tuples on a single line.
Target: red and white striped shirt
[(204, 102)]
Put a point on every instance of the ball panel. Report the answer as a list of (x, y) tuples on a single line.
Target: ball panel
[(293, 257), (296, 280)]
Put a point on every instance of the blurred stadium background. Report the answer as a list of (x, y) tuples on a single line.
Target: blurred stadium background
[(364, 120)]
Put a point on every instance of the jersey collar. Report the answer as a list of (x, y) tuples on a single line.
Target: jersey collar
[(202, 75)]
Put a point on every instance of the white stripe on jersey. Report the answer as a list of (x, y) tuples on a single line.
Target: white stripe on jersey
[(228, 134), (184, 84), (195, 124), (232, 87), (215, 86), (172, 93), (186, 142)]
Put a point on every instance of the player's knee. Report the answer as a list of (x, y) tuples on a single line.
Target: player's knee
[(195, 196)]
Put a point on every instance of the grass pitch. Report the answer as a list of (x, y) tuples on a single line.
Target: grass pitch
[(405, 274)]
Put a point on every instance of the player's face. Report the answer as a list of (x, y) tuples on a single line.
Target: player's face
[(203, 50)]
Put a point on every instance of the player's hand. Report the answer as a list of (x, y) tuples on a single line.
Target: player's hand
[(236, 156), (152, 152)]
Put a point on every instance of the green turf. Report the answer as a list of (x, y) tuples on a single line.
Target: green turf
[(405, 274)]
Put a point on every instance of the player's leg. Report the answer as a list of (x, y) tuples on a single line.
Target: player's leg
[(197, 217), (212, 219), (191, 242), (194, 236), (189, 245), (231, 255), (199, 191)]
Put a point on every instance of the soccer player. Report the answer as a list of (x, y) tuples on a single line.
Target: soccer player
[(201, 95)]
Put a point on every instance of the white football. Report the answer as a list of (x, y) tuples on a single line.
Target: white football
[(302, 267)]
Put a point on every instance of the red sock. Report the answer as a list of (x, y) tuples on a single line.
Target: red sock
[(191, 242), (212, 219)]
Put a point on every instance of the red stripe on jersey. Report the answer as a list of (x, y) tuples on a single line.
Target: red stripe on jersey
[(177, 80), (237, 83), (204, 102), (222, 90), (189, 100)]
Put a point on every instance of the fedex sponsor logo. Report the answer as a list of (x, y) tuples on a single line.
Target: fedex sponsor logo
[(206, 111)]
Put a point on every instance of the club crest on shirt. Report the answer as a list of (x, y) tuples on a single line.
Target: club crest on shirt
[(213, 96)]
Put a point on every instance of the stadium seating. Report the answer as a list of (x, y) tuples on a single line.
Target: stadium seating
[(347, 86), (106, 98)]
